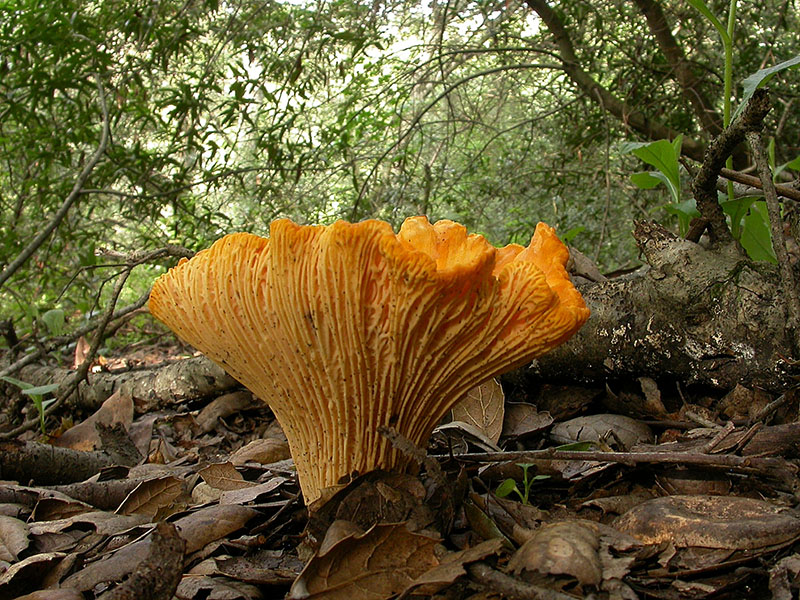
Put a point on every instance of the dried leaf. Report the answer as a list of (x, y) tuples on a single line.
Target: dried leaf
[(225, 405), (104, 523), (249, 494), (466, 432), (13, 538), (117, 409), (266, 567), (563, 548), (603, 428), (151, 496), (523, 419), (483, 408), (730, 523), (452, 566), (26, 575), (62, 594), (212, 523), (82, 348), (202, 586), (224, 476), (265, 451), (653, 404), (371, 566)]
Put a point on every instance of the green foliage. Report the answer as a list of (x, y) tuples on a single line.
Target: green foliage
[(37, 394), (748, 217), (664, 156), (760, 78)]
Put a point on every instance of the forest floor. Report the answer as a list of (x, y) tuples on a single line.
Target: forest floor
[(639, 489)]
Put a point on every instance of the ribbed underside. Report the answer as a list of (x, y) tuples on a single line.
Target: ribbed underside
[(345, 328)]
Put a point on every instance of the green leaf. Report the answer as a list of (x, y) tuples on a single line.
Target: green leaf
[(794, 165), (663, 155), (704, 10), (572, 233), (685, 211), (505, 488), (54, 321), (645, 180), (736, 209), (23, 385), (760, 78), (756, 238), (40, 390)]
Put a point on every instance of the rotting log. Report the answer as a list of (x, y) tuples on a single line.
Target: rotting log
[(150, 389), (697, 315)]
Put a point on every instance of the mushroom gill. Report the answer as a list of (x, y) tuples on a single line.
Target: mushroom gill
[(346, 328)]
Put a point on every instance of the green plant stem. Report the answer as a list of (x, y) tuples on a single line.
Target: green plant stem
[(728, 83)]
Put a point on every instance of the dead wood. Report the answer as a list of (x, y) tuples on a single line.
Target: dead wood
[(157, 577), (45, 464), (710, 317), (150, 389)]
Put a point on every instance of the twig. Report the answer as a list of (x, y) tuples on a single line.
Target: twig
[(48, 229), (444, 94), (788, 282), (44, 349), (771, 466), (786, 191), (83, 369), (704, 183), (101, 324), (68, 339)]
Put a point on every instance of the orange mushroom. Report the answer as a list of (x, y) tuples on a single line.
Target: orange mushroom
[(346, 328)]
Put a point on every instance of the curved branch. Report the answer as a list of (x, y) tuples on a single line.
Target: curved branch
[(632, 118), (704, 184), (688, 81)]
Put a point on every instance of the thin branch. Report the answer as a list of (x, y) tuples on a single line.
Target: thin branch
[(770, 466), (778, 241), (426, 109), (68, 339), (70, 199), (786, 191)]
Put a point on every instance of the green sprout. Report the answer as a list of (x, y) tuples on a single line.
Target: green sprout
[(37, 394), (509, 486)]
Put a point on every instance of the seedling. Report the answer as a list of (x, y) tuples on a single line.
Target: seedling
[(37, 394), (509, 486)]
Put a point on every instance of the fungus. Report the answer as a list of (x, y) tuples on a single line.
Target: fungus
[(345, 328)]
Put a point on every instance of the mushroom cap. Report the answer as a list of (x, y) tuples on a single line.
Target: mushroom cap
[(349, 327)]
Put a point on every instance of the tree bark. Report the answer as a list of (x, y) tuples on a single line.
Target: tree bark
[(688, 81), (150, 389), (691, 314)]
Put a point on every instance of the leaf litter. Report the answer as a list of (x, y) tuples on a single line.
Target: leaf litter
[(637, 493)]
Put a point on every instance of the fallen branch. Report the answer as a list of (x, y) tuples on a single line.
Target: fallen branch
[(786, 191), (772, 467)]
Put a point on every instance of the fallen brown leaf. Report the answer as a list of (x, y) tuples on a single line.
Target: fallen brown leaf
[(152, 496), (483, 407), (374, 565)]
